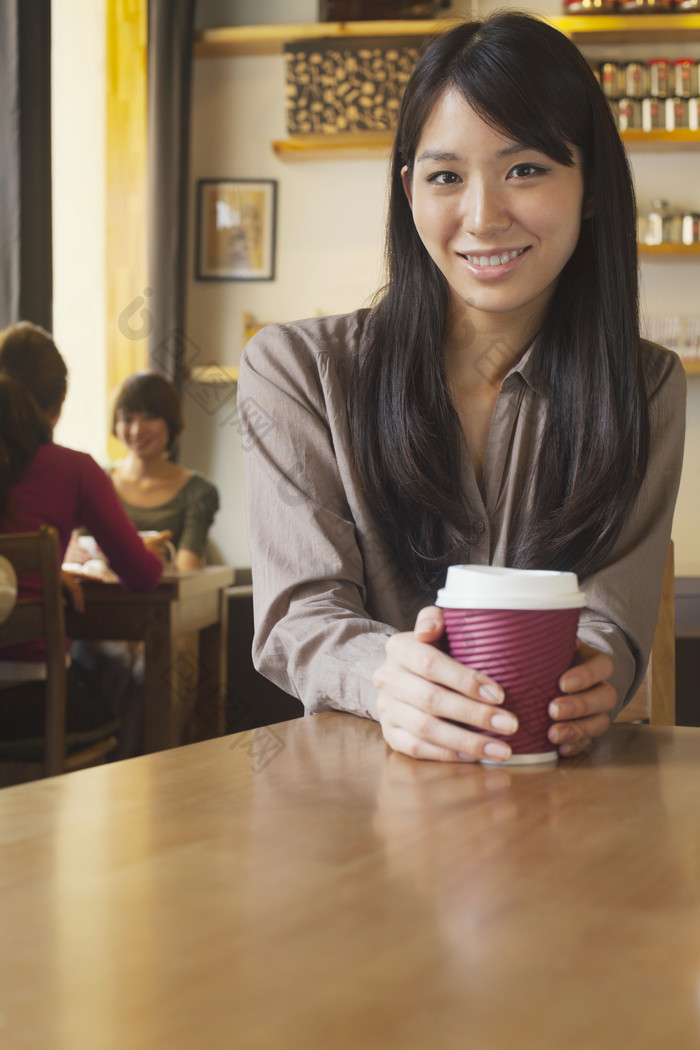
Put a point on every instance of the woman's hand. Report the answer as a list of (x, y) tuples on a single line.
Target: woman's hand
[(582, 713), (420, 686), (159, 544)]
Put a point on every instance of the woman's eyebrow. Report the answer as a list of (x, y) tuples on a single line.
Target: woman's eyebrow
[(446, 155), (436, 154)]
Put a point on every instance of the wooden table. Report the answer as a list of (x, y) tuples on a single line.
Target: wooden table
[(182, 603), (298, 887)]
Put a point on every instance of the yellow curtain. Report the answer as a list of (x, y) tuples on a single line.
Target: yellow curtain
[(128, 317)]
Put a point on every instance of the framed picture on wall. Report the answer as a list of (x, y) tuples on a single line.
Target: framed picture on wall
[(236, 221)]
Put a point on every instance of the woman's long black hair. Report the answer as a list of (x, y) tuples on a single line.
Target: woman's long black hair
[(529, 81)]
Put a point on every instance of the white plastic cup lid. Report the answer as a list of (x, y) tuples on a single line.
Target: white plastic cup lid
[(496, 587)]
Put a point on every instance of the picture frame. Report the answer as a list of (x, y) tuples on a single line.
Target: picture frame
[(236, 229)]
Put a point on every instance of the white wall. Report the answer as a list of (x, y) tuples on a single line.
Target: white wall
[(79, 175)]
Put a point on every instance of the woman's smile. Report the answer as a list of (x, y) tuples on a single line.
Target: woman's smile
[(492, 262)]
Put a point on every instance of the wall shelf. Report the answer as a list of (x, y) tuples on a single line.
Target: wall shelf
[(214, 375), (372, 144), (270, 40), (669, 251), (355, 145), (680, 141), (234, 41), (634, 29)]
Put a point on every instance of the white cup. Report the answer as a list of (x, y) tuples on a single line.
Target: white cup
[(170, 547)]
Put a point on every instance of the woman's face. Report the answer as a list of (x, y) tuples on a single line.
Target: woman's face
[(142, 433), (498, 218)]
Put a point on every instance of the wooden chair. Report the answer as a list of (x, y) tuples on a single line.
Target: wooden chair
[(655, 701), (42, 617)]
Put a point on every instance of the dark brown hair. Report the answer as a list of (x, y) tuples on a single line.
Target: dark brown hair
[(152, 393), (23, 429), (29, 355)]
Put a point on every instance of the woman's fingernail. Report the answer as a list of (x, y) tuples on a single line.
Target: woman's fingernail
[(491, 692), (495, 750), (570, 683), (560, 734), (428, 626), (504, 722), (561, 709)]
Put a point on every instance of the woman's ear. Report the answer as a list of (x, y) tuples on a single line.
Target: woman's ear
[(406, 182), (588, 210)]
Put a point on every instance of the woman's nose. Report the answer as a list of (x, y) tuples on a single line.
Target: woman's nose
[(484, 211)]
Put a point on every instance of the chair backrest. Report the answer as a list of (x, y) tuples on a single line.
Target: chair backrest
[(41, 617), (655, 700)]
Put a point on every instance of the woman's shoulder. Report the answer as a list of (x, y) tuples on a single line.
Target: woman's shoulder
[(198, 487), (59, 457), (296, 345), (662, 367)]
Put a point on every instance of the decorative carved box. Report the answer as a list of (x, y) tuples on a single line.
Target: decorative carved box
[(355, 84)]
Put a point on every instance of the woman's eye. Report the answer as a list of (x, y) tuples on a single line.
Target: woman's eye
[(443, 178), (524, 171)]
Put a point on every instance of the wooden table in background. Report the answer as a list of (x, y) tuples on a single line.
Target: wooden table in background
[(181, 604), (299, 887)]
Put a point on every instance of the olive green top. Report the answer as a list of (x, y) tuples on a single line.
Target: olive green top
[(188, 514)]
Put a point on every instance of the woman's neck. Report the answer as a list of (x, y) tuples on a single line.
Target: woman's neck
[(481, 348), (137, 467)]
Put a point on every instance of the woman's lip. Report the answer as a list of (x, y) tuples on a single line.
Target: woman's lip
[(489, 269), (493, 256)]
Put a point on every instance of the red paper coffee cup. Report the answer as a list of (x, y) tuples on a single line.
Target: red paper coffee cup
[(518, 626)]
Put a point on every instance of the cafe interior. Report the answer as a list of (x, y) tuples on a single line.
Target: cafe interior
[(252, 877)]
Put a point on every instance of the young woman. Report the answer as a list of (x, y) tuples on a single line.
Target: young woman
[(497, 405), (45, 483), (158, 496), (156, 493)]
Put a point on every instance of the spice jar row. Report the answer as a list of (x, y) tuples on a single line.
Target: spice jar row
[(629, 7), (663, 225), (651, 114), (657, 78)]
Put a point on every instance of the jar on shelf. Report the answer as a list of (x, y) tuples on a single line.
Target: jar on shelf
[(612, 79), (589, 7), (694, 113), (629, 114), (676, 113), (653, 114), (690, 228), (660, 77), (629, 7), (686, 77), (656, 225), (636, 76), (674, 227)]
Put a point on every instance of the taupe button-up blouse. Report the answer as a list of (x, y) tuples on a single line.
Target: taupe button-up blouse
[(327, 593)]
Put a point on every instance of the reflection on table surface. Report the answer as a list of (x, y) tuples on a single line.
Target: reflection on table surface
[(301, 886)]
